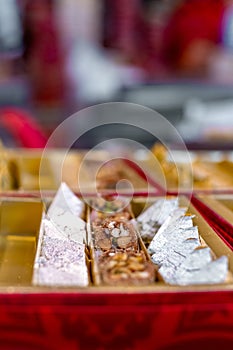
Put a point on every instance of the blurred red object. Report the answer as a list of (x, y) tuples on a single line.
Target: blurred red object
[(192, 34), (43, 54), (121, 19), (24, 129)]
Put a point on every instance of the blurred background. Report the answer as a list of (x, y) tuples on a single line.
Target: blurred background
[(60, 56)]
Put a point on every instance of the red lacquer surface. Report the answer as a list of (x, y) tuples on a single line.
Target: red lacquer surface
[(191, 320)]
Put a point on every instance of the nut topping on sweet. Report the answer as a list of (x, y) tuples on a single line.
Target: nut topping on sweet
[(123, 242), (126, 268), (104, 243), (116, 232)]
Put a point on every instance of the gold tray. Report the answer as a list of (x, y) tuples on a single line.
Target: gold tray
[(20, 226), (195, 170), (19, 230), (28, 173)]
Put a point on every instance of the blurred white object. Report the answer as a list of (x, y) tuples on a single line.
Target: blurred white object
[(220, 68), (94, 77), (94, 74), (10, 27), (207, 119), (78, 20)]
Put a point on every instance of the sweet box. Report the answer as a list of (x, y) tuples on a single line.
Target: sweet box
[(158, 316), (98, 315)]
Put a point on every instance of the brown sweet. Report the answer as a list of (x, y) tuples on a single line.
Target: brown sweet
[(123, 242), (201, 173), (120, 268), (115, 170), (104, 244), (114, 233)]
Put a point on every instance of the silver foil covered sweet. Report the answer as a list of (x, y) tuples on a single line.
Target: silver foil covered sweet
[(61, 257), (177, 251), (153, 217)]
